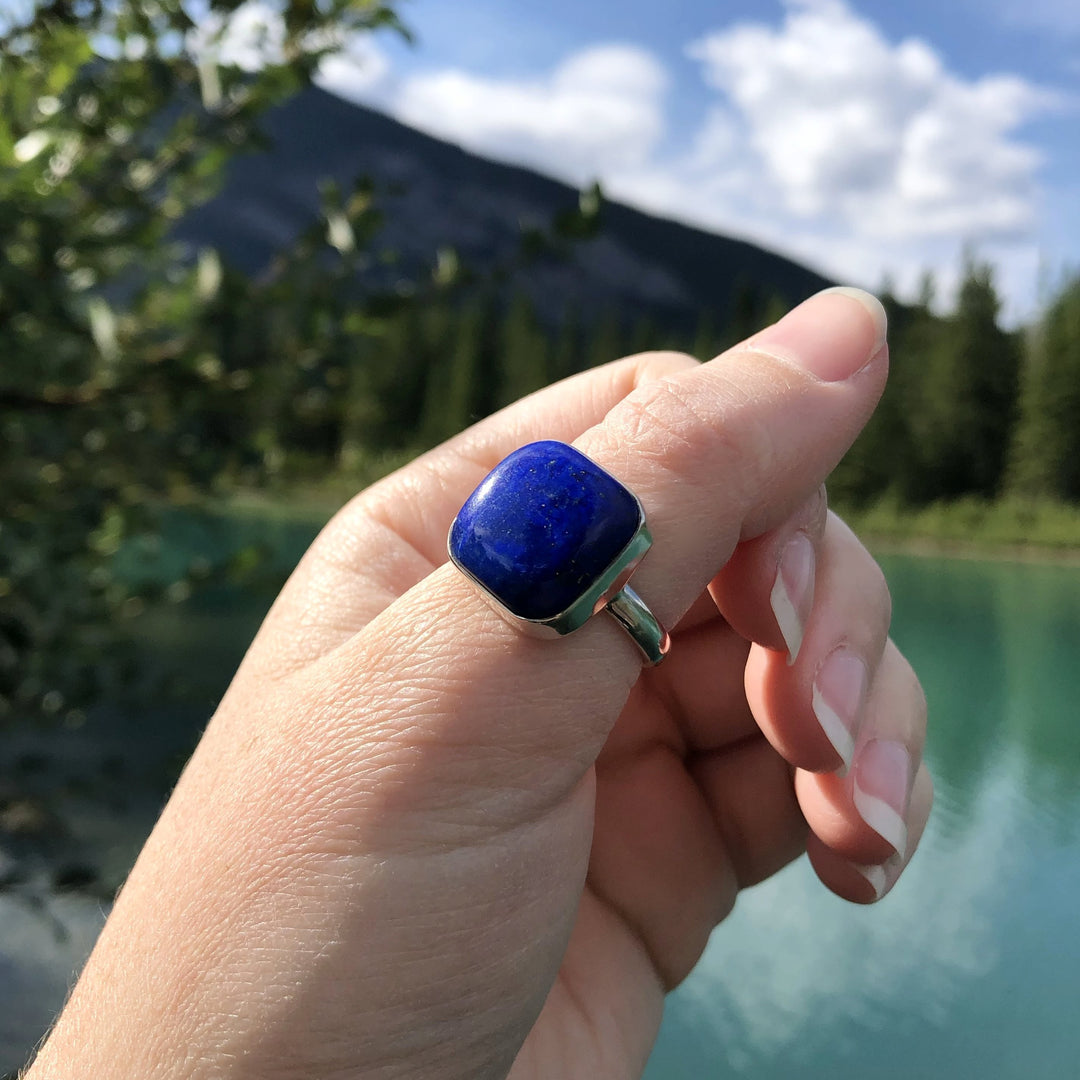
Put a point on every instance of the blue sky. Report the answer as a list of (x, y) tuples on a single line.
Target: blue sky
[(863, 137), (860, 136)]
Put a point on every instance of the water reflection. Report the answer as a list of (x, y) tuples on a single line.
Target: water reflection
[(970, 967)]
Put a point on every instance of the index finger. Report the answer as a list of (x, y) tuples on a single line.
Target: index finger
[(716, 453)]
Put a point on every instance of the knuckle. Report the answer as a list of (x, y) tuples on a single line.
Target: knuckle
[(653, 364), (693, 428), (909, 691), (878, 587)]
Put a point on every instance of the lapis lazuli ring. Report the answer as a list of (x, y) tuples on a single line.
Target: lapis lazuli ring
[(552, 539)]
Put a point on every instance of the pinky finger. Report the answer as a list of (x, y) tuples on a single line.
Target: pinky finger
[(865, 884)]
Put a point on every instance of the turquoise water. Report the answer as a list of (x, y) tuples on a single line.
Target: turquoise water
[(971, 967)]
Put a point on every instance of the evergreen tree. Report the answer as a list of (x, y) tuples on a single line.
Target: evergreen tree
[(915, 336), (880, 456), (967, 403), (645, 335), (566, 352), (706, 343), (523, 352), (463, 400), (1046, 453), (606, 340)]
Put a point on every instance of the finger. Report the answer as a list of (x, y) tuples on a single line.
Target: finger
[(811, 709), (393, 534), (749, 792), (716, 453), (440, 743), (766, 590), (693, 702), (672, 867), (865, 883), (866, 816), (660, 864)]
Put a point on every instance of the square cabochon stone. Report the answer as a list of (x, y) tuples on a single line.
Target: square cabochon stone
[(542, 527)]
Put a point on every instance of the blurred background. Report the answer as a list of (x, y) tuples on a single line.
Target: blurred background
[(253, 256)]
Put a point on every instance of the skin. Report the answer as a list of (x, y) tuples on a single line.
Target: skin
[(414, 842)]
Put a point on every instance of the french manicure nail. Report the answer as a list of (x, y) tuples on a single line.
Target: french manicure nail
[(793, 591), (876, 876), (837, 700), (828, 335), (881, 789)]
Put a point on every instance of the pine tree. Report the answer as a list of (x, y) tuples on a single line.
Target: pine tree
[(1046, 453), (523, 352), (606, 340), (915, 335), (968, 396), (566, 356), (645, 335), (880, 457), (706, 343)]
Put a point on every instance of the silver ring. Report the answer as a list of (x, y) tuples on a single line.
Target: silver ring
[(551, 539)]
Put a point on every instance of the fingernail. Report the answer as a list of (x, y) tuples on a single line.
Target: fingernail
[(837, 700), (876, 876), (793, 591), (832, 335), (881, 789)]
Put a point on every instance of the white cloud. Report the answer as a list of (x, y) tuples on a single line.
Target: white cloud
[(359, 71), (253, 34), (775, 971), (825, 140), (598, 112), (247, 38), (850, 128)]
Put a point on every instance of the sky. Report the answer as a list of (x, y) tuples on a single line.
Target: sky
[(869, 139)]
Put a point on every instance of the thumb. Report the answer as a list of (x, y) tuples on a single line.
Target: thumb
[(716, 454), (393, 840)]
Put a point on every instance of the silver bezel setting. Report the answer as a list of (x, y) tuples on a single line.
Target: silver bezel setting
[(594, 599)]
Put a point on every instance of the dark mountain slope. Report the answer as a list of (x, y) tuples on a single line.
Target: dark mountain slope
[(446, 196)]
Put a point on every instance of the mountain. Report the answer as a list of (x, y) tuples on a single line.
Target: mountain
[(437, 195)]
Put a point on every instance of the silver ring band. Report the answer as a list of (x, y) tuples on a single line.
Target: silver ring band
[(634, 616)]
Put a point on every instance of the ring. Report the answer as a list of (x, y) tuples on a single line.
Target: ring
[(551, 538)]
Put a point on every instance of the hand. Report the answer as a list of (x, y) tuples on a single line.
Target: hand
[(415, 842)]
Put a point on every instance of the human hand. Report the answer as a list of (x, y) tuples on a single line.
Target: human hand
[(415, 842)]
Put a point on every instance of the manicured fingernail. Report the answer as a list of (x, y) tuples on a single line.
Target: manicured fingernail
[(876, 876), (793, 591), (837, 700), (832, 335), (881, 789)]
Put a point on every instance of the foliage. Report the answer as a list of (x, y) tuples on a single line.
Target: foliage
[(944, 426), (966, 406), (970, 523), (1046, 452), (127, 363), (137, 374)]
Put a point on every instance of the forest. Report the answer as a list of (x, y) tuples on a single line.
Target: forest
[(139, 375)]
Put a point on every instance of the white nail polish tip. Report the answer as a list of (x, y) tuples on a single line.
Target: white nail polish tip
[(835, 730), (787, 618), (882, 818), (876, 876), (874, 308)]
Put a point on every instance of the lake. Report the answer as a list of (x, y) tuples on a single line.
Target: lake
[(970, 968)]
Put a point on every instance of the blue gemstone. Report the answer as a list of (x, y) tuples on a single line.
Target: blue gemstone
[(542, 528)]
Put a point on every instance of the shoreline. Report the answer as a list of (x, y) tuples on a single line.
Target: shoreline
[(930, 547), (315, 508)]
